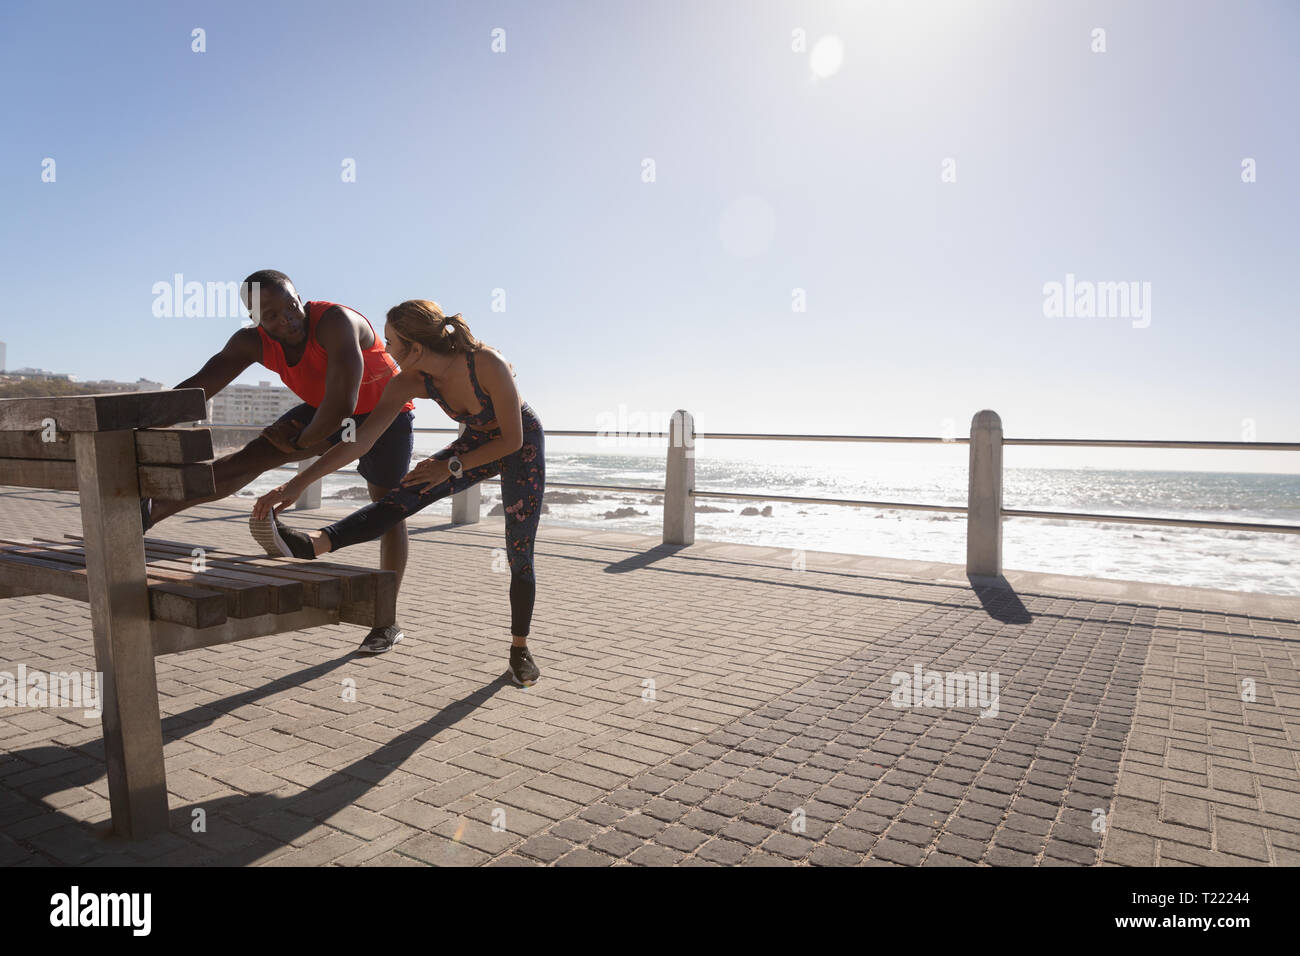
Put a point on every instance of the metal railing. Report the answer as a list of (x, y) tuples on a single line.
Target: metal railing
[(983, 509)]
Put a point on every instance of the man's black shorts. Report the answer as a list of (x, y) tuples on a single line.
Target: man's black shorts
[(389, 457)]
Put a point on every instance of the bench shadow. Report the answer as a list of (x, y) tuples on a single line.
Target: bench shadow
[(279, 820), (645, 558), (999, 599)]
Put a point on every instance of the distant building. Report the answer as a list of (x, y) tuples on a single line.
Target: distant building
[(258, 404), (2, 358), (39, 373)]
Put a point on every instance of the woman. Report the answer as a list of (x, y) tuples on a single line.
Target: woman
[(440, 360)]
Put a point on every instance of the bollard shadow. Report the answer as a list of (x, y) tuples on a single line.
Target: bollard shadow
[(645, 558), (999, 599), (271, 820), (445, 526)]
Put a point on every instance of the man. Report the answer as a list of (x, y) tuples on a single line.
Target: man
[(331, 358)]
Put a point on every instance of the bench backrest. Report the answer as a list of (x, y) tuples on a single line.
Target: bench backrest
[(57, 442)]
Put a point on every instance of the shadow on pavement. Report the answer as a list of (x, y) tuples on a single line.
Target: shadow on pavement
[(1000, 600), (645, 558), (278, 820)]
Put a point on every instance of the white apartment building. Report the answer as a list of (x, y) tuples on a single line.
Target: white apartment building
[(258, 404)]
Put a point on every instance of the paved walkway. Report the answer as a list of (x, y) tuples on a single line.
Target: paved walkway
[(712, 705)]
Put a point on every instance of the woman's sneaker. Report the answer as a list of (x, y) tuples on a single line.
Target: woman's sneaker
[(522, 669), (381, 639), (280, 541)]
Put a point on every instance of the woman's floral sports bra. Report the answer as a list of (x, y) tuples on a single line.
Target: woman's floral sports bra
[(479, 418)]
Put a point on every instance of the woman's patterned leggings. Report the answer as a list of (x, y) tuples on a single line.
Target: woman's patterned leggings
[(523, 480)]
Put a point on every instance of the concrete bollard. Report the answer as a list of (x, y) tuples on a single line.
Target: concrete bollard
[(984, 498), (310, 498), (679, 480), (466, 505)]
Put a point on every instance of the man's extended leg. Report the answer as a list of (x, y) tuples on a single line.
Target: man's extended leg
[(232, 472)]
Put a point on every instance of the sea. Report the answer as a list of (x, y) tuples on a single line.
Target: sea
[(1225, 560)]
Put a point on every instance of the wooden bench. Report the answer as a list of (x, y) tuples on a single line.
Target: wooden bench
[(152, 597)]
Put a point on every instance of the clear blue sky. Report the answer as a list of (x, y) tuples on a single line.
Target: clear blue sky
[(522, 170)]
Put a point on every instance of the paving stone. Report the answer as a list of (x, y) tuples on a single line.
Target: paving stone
[(615, 843), (574, 831), (583, 857), (680, 838), (546, 848), (725, 852), (651, 854)]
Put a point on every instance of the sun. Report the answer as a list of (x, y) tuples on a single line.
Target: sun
[(827, 57)]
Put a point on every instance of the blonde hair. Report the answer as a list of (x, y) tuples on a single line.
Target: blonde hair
[(423, 321)]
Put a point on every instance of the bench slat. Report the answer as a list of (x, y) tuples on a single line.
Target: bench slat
[(246, 595), (174, 603), (173, 446), (116, 411), (358, 584), (369, 597), (318, 591), (164, 482), (153, 446)]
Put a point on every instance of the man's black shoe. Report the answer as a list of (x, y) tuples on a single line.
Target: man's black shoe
[(381, 639)]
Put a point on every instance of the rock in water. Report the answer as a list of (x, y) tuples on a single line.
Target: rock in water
[(625, 513), (353, 493)]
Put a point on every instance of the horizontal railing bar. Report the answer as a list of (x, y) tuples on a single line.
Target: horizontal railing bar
[(855, 502), (902, 439), (622, 488), (1166, 522), (899, 439), (907, 506), (1122, 443)]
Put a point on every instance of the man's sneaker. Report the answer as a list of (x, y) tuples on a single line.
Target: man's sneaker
[(381, 639), (522, 669), (278, 540), (146, 515)]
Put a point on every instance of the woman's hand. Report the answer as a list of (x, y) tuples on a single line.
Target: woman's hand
[(283, 496), (427, 474)]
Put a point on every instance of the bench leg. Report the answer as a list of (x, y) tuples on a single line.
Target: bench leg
[(119, 608)]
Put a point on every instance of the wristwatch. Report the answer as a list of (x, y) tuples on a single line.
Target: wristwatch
[(455, 467)]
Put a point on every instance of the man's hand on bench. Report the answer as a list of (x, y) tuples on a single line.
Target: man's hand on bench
[(282, 434)]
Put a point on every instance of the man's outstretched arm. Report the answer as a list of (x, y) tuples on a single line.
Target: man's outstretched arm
[(243, 349)]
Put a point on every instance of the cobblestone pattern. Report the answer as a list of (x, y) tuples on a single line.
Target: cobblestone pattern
[(691, 702), (833, 773)]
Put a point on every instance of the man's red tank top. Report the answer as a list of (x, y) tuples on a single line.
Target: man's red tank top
[(307, 378)]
